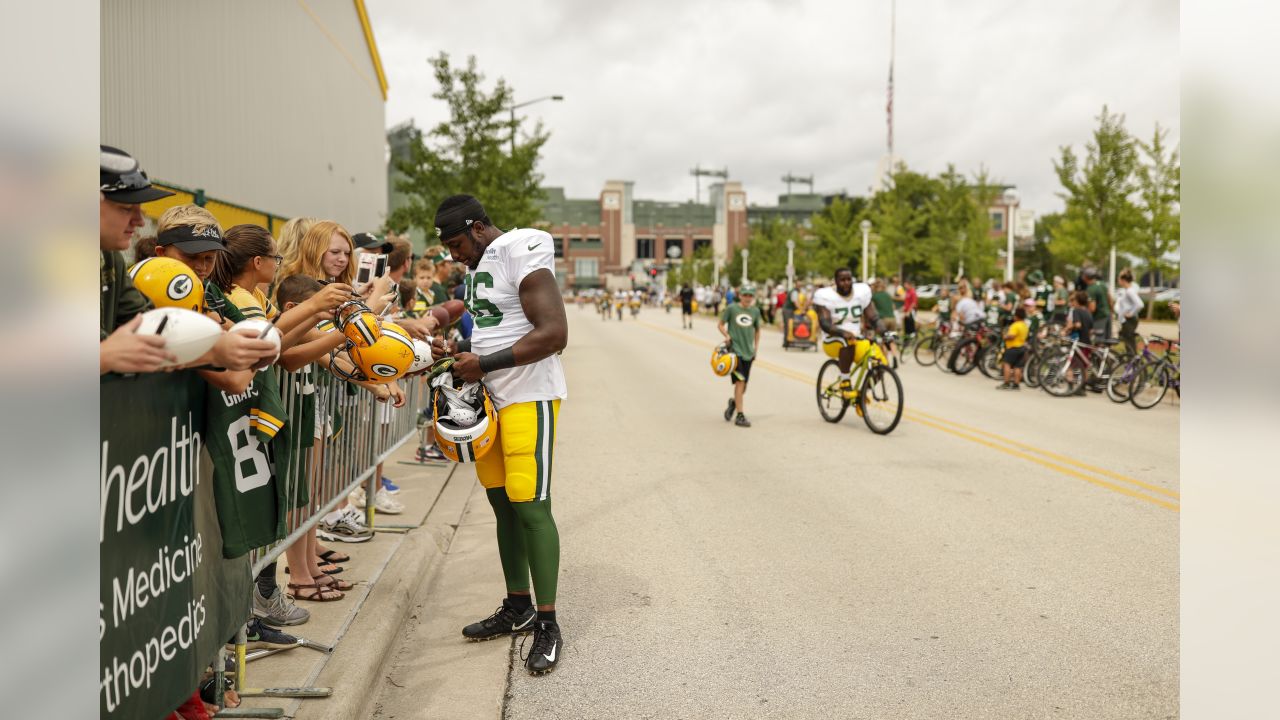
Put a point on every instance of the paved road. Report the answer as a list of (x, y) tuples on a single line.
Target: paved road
[(1000, 555)]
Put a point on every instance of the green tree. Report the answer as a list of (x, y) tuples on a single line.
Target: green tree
[(900, 218), (1100, 214), (978, 248), (952, 212), (1042, 255), (1160, 189), (471, 153), (767, 245), (837, 237)]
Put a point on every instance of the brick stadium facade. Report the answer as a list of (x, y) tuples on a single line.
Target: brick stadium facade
[(611, 239)]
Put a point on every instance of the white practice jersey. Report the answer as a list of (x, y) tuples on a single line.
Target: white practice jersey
[(846, 312), (493, 298)]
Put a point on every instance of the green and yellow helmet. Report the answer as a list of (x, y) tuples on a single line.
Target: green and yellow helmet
[(723, 361)]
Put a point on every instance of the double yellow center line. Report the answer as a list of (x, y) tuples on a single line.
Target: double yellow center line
[(1100, 477)]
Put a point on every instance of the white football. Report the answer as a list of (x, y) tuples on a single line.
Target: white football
[(421, 356), (257, 326), (187, 334)]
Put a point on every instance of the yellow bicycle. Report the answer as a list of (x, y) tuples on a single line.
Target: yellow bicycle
[(877, 397)]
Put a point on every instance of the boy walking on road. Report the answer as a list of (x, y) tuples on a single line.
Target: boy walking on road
[(740, 326)]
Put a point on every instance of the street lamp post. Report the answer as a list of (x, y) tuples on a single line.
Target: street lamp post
[(556, 98), (1010, 199), (791, 265), (865, 225), (745, 253)]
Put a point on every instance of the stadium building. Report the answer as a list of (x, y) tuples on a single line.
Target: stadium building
[(258, 111), (614, 239)]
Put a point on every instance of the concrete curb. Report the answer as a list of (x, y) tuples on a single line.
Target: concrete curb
[(356, 667)]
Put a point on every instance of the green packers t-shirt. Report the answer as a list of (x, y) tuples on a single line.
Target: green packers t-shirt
[(438, 294), (1102, 308), (884, 303), (741, 322)]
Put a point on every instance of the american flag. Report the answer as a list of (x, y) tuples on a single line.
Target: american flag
[(893, 18), (889, 109)]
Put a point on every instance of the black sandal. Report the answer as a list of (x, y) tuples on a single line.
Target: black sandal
[(332, 569), (334, 557)]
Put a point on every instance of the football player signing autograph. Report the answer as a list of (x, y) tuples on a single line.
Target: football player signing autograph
[(520, 326)]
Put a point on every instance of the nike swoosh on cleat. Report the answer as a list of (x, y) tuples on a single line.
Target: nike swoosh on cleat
[(522, 625), (552, 657), (535, 245)]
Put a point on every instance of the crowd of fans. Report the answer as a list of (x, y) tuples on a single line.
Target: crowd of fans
[(296, 280)]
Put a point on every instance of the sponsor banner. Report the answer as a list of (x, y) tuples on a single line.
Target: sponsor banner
[(167, 599)]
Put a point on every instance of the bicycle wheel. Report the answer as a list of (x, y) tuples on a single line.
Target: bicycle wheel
[(1149, 385), (830, 404), (1030, 370), (1057, 375), (989, 361), (881, 399), (943, 351), (925, 351), (965, 357), (1118, 383)]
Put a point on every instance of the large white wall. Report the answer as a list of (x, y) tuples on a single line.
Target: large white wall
[(273, 104)]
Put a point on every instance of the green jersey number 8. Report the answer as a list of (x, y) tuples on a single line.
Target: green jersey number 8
[(486, 314)]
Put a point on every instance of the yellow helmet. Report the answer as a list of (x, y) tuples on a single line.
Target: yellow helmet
[(168, 283), (358, 323), (385, 360), (465, 422), (723, 360)]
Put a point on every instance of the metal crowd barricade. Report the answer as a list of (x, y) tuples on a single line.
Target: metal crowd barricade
[(355, 433)]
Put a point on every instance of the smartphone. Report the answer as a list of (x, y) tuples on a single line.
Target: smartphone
[(368, 267)]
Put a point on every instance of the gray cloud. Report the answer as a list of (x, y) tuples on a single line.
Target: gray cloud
[(769, 87)]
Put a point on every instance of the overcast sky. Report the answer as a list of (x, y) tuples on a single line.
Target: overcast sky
[(768, 87)]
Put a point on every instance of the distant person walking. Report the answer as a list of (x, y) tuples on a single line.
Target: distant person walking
[(686, 307)]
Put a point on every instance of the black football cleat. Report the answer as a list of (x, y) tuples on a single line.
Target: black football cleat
[(546, 648), (505, 621)]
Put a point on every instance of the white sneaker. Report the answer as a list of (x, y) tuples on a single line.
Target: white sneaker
[(354, 516), (357, 497), (382, 501), (387, 504)]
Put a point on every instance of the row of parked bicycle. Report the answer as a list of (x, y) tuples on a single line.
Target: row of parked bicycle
[(1060, 366)]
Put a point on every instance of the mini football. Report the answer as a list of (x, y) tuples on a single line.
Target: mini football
[(257, 326), (187, 334)]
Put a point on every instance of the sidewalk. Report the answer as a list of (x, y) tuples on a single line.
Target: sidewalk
[(389, 573)]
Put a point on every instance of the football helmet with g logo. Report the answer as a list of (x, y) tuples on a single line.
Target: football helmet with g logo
[(723, 360), (387, 359), (168, 283), (466, 423), (358, 323)]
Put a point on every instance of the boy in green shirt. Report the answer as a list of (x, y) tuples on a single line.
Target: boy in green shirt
[(740, 326)]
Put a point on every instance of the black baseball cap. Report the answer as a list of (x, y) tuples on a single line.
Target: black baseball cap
[(369, 241), (122, 180), (190, 241)]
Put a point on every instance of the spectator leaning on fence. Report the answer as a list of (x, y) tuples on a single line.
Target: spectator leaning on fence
[(192, 236), (123, 187)]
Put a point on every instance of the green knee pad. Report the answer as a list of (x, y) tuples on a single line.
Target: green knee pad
[(542, 545)]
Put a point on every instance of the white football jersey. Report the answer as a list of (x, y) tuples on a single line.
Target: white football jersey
[(846, 312), (493, 299)]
